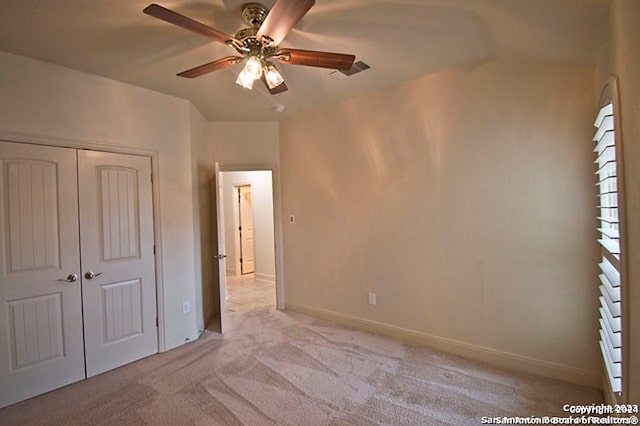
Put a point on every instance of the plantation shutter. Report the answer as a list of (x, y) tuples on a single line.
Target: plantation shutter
[(609, 239)]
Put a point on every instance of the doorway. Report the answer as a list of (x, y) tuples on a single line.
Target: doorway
[(246, 197)]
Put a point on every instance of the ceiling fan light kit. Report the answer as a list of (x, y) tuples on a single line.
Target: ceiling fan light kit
[(273, 76), (258, 44), (251, 72)]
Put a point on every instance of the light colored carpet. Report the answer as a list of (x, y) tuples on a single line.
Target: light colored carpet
[(284, 368), (245, 293)]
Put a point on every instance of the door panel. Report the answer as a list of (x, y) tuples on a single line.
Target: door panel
[(116, 221), (32, 209), (123, 310), (119, 212), (35, 326), (222, 261), (41, 343)]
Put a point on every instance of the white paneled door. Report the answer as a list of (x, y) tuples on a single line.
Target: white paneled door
[(222, 261), (41, 344), (118, 267), (247, 262), (76, 234)]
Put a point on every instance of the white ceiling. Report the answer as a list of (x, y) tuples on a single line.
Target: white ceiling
[(400, 40)]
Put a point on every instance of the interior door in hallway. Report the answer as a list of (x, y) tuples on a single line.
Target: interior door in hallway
[(41, 345), (221, 256), (118, 264), (247, 251)]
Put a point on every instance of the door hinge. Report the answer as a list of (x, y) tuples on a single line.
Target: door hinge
[(239, 228), (240, 260), (154, 249), (151, 175), (157, 324)]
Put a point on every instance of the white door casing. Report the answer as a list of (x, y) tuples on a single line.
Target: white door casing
[(41, 342), (277, 223), (222, 261), (118, 264), (247, 250)]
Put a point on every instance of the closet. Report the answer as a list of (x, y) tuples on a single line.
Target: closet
[(77, 285)]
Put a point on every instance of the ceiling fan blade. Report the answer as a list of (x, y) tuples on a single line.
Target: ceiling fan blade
[(282, 17), (282, 87), (312, 58), (175, 18), (211, 66)]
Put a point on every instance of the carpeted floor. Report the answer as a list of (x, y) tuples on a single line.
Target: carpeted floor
[(245, 293), (284, 368)]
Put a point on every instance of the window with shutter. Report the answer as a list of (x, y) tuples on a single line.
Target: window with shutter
[(609, 182)]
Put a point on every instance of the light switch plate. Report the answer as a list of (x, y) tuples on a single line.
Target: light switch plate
[(372, 298)]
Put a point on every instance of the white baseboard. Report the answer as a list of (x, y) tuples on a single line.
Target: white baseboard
[(180, 339), (265, 277), (489, 356)]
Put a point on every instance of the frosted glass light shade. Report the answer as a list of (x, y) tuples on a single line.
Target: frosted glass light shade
[(273, 77), (250, 73)]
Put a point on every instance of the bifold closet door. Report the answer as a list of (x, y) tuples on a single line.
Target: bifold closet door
[(118, 265), (41, 342)]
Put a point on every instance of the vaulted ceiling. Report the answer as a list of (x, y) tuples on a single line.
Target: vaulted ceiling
[(399, 39)]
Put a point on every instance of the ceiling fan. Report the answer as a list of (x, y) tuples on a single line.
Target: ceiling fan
[(258, 45)]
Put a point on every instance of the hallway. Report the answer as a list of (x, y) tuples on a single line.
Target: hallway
[(245, 293)]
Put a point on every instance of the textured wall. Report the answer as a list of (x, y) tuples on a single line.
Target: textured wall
[(243, 143), (202, 220), (463, 199)]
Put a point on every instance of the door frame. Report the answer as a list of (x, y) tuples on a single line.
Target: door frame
[(88, 144), (277, 222)]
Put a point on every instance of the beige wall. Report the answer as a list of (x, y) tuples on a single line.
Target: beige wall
[(40, 101), (465, 201), (243, 143), (620, 57), (202, 220)]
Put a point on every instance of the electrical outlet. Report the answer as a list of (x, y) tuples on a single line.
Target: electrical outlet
[(186, 307), (372, 298), (292, 219)]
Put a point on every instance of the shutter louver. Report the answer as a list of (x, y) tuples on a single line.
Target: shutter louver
[(609, 231)]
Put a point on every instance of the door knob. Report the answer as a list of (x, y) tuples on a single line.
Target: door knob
[(91, 275), (71, 278), (221, 256)]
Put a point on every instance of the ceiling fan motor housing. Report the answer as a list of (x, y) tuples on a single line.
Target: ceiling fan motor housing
[(246, 33), (254, 14)]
